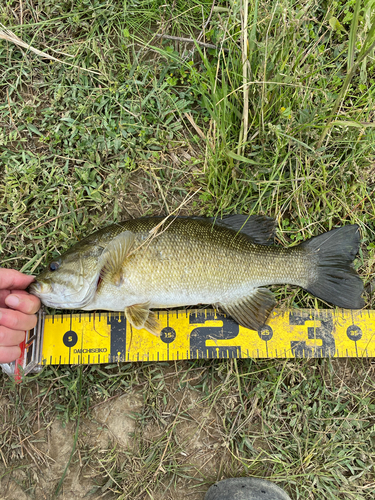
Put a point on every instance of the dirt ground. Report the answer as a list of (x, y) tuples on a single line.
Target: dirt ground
[(110, 435), (168, 431)]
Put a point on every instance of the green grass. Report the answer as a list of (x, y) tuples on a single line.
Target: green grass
[(127, 124), (307, 425)]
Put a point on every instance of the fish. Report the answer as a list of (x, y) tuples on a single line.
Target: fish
[(149, 263)]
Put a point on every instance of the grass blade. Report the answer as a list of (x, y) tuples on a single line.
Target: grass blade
[(353, 35)]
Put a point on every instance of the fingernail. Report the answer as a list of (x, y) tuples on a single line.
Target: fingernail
[(12, 300)]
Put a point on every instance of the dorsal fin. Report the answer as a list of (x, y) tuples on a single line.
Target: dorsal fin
[(259, 228)]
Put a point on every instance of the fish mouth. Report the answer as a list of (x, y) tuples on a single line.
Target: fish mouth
[(44, 291), (38, 288)]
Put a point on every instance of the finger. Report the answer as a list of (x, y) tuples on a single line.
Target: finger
[(11, 279), (9, 354), (23, 302), (10, 337), (5, 293), (16, 320)]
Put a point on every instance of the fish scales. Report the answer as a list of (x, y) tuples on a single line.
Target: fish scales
[(194, 262), (190, 261)]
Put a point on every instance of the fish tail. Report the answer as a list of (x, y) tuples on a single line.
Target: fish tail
[(333, 277)]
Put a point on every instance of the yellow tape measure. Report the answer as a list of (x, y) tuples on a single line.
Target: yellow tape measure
[(91, 338)]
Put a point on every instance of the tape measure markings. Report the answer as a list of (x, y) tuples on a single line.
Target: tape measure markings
[(197, 334)]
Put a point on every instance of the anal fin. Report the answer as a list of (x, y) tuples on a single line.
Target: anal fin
[(251, 311), (140, 316)]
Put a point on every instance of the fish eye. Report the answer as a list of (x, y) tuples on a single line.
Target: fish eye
[(54, 266)]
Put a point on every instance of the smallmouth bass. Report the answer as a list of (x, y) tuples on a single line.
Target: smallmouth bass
[(143, 264)]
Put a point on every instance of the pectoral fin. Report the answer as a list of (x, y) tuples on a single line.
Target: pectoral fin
[(140, 316), (114, 255), (251, 311)]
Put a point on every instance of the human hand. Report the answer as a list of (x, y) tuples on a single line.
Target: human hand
[(17, 312)]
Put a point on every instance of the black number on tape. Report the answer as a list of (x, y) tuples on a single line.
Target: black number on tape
[(200, 335), (354, 333), (167, 335), (70, 338), (321, 333)]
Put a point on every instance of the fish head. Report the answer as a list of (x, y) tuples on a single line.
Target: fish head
[(70, 281)]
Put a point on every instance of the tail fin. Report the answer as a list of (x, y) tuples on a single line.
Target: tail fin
[(336, 281)]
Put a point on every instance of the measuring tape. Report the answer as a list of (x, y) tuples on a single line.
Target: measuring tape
[(106, 337)]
